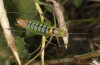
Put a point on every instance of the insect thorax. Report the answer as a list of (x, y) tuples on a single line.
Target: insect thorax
[(59, 32)]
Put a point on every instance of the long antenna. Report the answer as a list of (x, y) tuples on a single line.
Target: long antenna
[(68, 33), (81, 33), (20, 13)]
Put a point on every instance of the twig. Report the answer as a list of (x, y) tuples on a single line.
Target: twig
[(61, 20), (84, 39), (59, 61), (42, 51), (43, 37), (88, 55), (38, 53), (8, 35)]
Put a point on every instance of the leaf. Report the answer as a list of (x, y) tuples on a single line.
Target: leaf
[(4, 52), (77, 3), (26, 9), (49, 9), (39, 2), (21, 46)]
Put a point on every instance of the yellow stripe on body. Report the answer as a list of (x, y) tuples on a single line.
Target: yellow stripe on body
[(51, 29)]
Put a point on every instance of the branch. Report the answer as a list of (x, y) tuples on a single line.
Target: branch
[(75, 59), (88, 55), (43, 36), (59, 61), (85, 39), (61, 21), (8, 35)]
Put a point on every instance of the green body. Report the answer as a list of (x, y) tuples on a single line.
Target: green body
[(38, 27)]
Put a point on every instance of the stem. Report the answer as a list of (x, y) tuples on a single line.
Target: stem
[(61, 20), (8, 35)]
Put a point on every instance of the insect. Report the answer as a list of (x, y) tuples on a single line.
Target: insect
[(40, 28)]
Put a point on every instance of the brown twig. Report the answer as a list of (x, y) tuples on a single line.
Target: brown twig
[(88, 55), (59, 61)]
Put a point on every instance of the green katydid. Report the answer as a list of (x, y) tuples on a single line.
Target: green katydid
[(38, 27)]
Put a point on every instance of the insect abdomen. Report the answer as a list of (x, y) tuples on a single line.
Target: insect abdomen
[(38, 27)]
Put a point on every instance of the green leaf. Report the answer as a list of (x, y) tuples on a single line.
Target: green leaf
[(21, 46), (49, 9), (39, 2), (26, 9), (77, 3), (4, 51)]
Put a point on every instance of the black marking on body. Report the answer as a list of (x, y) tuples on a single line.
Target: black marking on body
[(40, 27), (47, 29), (29, 24), (36, 26), (33, 25)]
